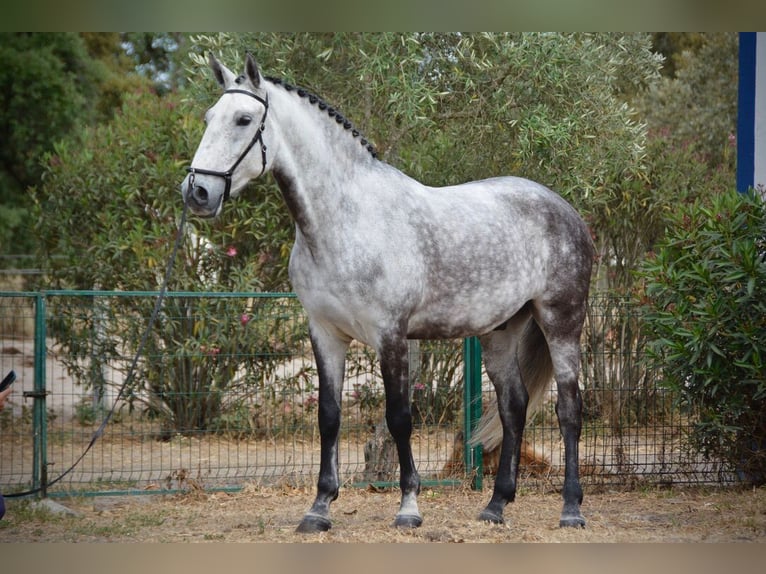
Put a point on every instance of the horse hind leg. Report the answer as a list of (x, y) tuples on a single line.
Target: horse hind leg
[(504, 359), (563, 325)]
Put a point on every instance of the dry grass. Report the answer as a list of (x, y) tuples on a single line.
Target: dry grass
[(270, 515)]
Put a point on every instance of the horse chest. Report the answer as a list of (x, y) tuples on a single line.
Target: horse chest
[(351, 289)]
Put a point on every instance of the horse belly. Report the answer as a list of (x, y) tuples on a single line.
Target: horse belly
[(455, 309)]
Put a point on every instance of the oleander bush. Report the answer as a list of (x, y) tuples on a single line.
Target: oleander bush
[(705, 299)]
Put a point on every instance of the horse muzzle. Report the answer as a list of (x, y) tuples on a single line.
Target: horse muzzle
[(202, 202)]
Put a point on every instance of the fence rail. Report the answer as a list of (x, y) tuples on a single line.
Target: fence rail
[(226, 394)]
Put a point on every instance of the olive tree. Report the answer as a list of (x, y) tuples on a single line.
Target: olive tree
[(449, 108)]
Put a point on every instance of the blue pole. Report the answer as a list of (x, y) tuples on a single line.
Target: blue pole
[(746, 112)]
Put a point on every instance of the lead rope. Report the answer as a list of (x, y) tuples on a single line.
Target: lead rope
[(131, 370)]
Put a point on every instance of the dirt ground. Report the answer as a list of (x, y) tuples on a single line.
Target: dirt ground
[(258, 514)]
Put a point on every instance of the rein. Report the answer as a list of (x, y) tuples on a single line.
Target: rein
[(131, 370), (258, 137)]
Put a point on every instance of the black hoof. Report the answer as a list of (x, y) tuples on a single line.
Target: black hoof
[(572, 521), (407, 521), (313, 523), (488, 515)]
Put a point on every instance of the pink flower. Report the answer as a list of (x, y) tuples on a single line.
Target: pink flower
[(231, 251), (419, 387), (244, 319)]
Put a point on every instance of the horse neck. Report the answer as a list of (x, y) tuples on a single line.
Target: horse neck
[(316, 164)]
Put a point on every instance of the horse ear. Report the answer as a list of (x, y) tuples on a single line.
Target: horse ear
[(223, 75), (251, 70)]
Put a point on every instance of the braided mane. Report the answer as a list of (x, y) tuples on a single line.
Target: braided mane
[(325, 107)]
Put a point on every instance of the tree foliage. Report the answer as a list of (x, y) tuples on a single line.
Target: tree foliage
[(51, 85), (157, 56), (696, 107)]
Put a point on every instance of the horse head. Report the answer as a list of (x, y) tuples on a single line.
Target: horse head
[(223, 163)]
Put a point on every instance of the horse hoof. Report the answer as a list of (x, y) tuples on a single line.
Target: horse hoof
[(313, 523), (572, 521), (490, 516), (407, 521)]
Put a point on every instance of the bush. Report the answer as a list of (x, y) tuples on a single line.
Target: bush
[(706, 314), (107, 213)]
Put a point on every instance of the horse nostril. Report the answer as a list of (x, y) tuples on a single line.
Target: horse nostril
[(200, 195)]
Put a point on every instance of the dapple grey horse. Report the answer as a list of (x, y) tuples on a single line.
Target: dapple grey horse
[(381, 258)]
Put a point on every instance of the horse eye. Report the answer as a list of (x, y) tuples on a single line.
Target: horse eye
[(244, 120)]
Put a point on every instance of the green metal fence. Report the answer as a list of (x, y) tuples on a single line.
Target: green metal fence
[(225, 394)]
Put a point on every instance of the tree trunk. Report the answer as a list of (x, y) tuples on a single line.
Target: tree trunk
[(380, 456)]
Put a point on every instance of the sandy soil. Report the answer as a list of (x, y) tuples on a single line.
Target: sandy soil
[(259, 514)]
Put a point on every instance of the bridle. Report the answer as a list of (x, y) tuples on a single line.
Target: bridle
[(258, 137)]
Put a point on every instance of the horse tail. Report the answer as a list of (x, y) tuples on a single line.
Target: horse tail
[(536, 370)]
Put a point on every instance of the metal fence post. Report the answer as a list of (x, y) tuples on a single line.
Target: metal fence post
[(472, 409), (39, 418)]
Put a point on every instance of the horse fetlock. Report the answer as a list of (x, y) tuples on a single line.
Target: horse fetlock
[(327, 488), (503, 493)]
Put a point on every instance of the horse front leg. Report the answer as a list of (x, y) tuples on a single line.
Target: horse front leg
[(330, 354), (395, 369)]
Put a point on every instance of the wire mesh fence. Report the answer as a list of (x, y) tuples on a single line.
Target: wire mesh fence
[(225, 393)]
